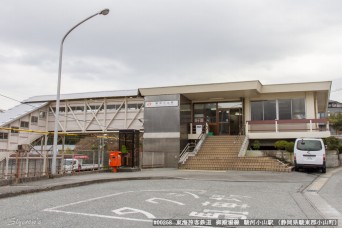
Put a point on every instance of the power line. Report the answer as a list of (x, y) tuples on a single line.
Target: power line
[(11, 98)]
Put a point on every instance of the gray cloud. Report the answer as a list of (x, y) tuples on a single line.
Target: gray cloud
[(144, 43)]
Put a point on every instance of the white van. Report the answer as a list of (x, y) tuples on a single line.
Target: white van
[(309, 152)]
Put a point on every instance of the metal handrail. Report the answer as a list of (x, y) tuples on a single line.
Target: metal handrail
[(184, 150), (185, 153)]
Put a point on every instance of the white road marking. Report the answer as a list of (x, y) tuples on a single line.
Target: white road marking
[(215, 214), (129, 210), (55, 209), (100, 216), (194, 195), (120, 193), (152, 200), (87, 200)]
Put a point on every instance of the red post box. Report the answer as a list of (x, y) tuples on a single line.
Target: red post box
[(115, 160)]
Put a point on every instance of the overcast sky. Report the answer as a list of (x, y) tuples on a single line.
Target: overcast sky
[(149, 43)]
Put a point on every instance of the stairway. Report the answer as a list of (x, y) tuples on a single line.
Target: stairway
[(221, 153)]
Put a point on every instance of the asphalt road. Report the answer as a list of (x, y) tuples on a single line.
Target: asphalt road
[(136, 203), (332, 191)]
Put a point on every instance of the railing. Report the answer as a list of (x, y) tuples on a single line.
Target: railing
[(296, 125), (16, 165), (193, 126), (184, 155), (244, 147)]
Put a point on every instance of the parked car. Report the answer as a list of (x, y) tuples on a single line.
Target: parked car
[(309, 152)]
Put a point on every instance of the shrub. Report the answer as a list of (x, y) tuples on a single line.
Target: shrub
[(256, 145), (289, 147), (280, 145), (333, 143)]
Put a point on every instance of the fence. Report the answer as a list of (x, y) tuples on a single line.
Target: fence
[(19, 165)]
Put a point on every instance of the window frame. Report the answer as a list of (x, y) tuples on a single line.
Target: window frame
[(24, 124), (277, 109), (4, 136)]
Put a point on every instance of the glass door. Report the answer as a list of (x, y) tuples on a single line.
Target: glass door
[(223, 121), (230, 118), (235, 121), (223, 118)]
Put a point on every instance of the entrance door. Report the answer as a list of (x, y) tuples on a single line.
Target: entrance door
[(229, 121), (223, 118), (229, 118), (235, 121), (223, 121)]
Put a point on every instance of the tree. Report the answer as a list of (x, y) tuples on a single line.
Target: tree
[(335, 119)]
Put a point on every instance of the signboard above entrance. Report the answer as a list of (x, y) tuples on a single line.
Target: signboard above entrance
[(156, 104)]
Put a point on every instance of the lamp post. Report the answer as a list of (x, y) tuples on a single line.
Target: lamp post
[(55, 135)]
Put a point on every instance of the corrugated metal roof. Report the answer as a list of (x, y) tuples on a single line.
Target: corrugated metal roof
[(18, 111), (88, 95)]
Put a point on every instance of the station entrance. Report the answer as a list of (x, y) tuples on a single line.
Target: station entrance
[(223, 118)]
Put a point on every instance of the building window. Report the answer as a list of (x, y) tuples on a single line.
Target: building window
[(270, 112), (257, 110), (298, 108), (134, 106), (93, 108), (77, 108), (14, 130), (34, 119), (42, 115), (115, 106), (205, 112), (283, 109), (61, 109), (3, 135), (264, 110), (24, 124)]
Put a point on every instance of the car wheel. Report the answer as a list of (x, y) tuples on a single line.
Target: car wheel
[(324, 169)]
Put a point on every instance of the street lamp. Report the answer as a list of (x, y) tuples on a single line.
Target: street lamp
[(55, 135)]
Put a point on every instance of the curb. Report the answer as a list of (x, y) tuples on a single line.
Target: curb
[(78, 184)]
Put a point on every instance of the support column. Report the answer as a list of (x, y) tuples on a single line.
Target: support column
[(62, 159), (45, 172), (7, 166), (27, 163)]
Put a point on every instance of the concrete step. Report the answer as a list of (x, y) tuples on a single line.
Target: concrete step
[(221, 153)]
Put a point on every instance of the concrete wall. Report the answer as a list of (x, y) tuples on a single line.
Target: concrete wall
[(185, 120), (164, 131), (333, 160)]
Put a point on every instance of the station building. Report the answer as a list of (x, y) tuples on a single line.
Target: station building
[(172, 117)]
